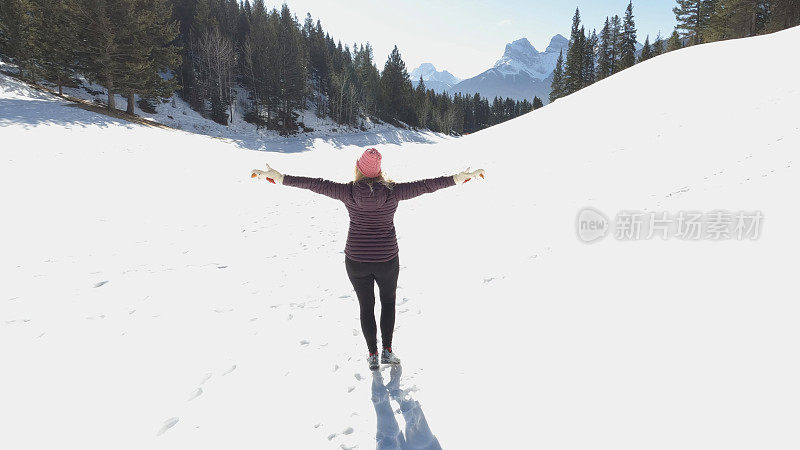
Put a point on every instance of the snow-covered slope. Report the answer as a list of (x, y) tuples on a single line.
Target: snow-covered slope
[(176, 113), (154, 296), (439, 81)]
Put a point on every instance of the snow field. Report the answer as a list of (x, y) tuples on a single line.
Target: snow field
[(156, 297)]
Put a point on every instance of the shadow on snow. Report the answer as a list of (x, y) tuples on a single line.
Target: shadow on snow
[(303, 142), (42, 110), (39, 112), (417, 435)]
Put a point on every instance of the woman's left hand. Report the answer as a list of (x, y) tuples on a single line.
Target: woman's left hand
[(271, 175), (466, 175)]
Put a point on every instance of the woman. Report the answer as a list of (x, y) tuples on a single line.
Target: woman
[(371, 252)]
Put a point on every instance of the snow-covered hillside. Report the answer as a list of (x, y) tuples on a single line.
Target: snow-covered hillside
[(154, 296), (176, 113)]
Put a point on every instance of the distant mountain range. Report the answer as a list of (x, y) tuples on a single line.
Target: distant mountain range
[(521, 73), (433, 79)]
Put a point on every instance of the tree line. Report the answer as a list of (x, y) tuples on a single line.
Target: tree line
[(592, 57), (220, 55), (701, 21), (123, 45)]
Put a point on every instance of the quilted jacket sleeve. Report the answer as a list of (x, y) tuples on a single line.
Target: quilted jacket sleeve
[(338, 191), (406, 191)]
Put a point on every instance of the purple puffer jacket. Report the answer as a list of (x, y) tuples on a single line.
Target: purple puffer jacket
[(371, 237)]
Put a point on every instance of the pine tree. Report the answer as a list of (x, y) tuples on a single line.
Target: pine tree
[(647, 53), (693, 18), (763, 13), (738, 18), (573, 70), (482, 112), (658, 46), (675, 42), (604, 62), (460, 107), (422, 103), (537, 103), (243, 24), (616, 44), (445, 115), (319, 63), (783, 14), (184, 14), (98, 52), (155, 36), (589, 72), (628, 40), (468, 118), (125, 45), (261, 56), (395, 85), (6, 22), (56, 42), (495, 112), (18, 31), (370, 80), (509, 109), (291, 69), (204, 20), (557, 85)]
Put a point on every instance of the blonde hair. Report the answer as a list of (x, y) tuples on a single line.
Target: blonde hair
[(369, 180)]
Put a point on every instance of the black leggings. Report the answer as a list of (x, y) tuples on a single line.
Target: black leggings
[(363, 275)]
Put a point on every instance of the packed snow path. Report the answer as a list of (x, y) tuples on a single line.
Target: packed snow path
[(154, 296)]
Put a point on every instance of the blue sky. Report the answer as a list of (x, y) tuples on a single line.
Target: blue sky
[(468, 36)]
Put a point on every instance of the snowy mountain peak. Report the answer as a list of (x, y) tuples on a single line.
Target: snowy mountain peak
[(557, 43), (521, 73), (520, 47), (520, 56), (439, 81), (424, 70)]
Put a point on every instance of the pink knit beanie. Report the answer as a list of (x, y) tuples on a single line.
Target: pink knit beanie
[(370, 163)]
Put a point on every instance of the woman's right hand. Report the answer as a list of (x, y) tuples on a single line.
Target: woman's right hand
[(271, 175), (466, 175)]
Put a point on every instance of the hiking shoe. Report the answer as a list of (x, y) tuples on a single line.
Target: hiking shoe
[(387, 357), (372, 360)]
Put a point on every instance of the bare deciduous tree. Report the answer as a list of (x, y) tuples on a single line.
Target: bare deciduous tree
[(216, 60)]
